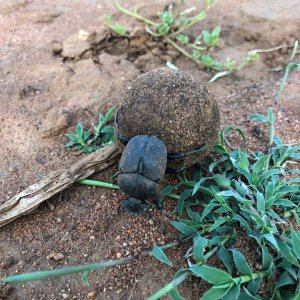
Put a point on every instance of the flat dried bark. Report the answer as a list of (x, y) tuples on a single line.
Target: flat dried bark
[(29, 199)]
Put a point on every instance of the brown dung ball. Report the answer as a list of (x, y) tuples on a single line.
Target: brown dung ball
[(174, 107)]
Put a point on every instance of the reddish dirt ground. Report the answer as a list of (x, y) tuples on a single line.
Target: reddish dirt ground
[(42, 98)]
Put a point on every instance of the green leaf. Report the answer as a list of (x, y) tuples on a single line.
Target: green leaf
[(260, 205), (196, 54), (84, 278), (71, 143), (289, 189), (109, 114), (226, 130), (72, 137), (183, 39), (86, 135), (231, 193), (216, 31), (292, 66), (186, 230), (207, 60), (233, 293), (262, 164), (200, 244), (211, 274), (186, 193), (201, 16), (208, 208), (267, 259), (224, 256), (284, 203), (118, 29), (243, 163), (178, 279), (167, 190), (240, 262), (193, 215), (288, 267), (79, 130), (215, 293), (160, 255), (163, 29), (269, 190), (254, 285), (258, 118), (221, 180), (284, 280), (220, 149), (271, 117), (296, 244), (167, 17), (206, 37), (268, 174), (242, 221), (218, 223), (272, 240), (248, 296), (286, 252), (174, 295)]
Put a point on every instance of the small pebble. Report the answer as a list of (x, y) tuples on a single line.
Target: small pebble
[(65, 296), (91, 295), (55, 256), (119, 255)]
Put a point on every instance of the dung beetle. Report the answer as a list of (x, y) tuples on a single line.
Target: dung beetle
[(164, 121), (142, 168)]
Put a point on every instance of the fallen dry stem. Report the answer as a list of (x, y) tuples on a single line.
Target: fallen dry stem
[(29, 199)]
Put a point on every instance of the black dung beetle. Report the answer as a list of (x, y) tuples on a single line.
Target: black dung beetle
[(142, 168), (163, 123)]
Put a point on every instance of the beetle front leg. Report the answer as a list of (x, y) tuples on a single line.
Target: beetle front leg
[(135, 206)]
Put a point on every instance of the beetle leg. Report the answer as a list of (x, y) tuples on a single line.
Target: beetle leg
[(159, 204), (135, 206)]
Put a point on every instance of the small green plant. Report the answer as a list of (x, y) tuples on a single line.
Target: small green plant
[(117, 28), (89, 141), (233, 195), (171, 28)]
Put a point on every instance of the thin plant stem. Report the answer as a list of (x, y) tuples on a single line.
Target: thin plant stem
[(180, 49), (276, 48), (286, 74), (40, 275), (112, 186), (98, 184), (134, 14), (170, 286), (184, 28)]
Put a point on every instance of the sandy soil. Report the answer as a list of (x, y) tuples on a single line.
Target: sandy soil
[(44, 95)]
